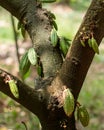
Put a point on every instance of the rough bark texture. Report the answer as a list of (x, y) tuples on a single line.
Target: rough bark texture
[(79, 58), (38, 23), (47, 99)]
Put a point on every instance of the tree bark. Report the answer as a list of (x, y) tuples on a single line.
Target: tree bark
[(79, 58), (46, 100)]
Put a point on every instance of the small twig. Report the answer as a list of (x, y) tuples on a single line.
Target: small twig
[(15, 38), (24, 124)]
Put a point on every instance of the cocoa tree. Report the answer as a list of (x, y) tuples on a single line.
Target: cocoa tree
[(46, 100)]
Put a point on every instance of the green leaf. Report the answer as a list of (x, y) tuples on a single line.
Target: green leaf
[(55, 25), (40, 70), (68, 105), (63, 46), (24, 64), (32, 56), (54, 38), (67, 42), (13, 88), (52, 15), (26, 75)]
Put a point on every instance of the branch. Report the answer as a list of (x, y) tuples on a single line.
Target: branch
[(28, 97), (79, 58)]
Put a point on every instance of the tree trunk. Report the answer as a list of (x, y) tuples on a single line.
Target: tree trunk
[(47, 97)]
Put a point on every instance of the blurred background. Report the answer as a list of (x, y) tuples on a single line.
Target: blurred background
[(69, 15)]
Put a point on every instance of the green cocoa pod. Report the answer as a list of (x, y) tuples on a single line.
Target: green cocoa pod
[(68, 104), (54, 37), (13, 88), (95, 45), (32, 56), (89, 42), (83, 116)]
